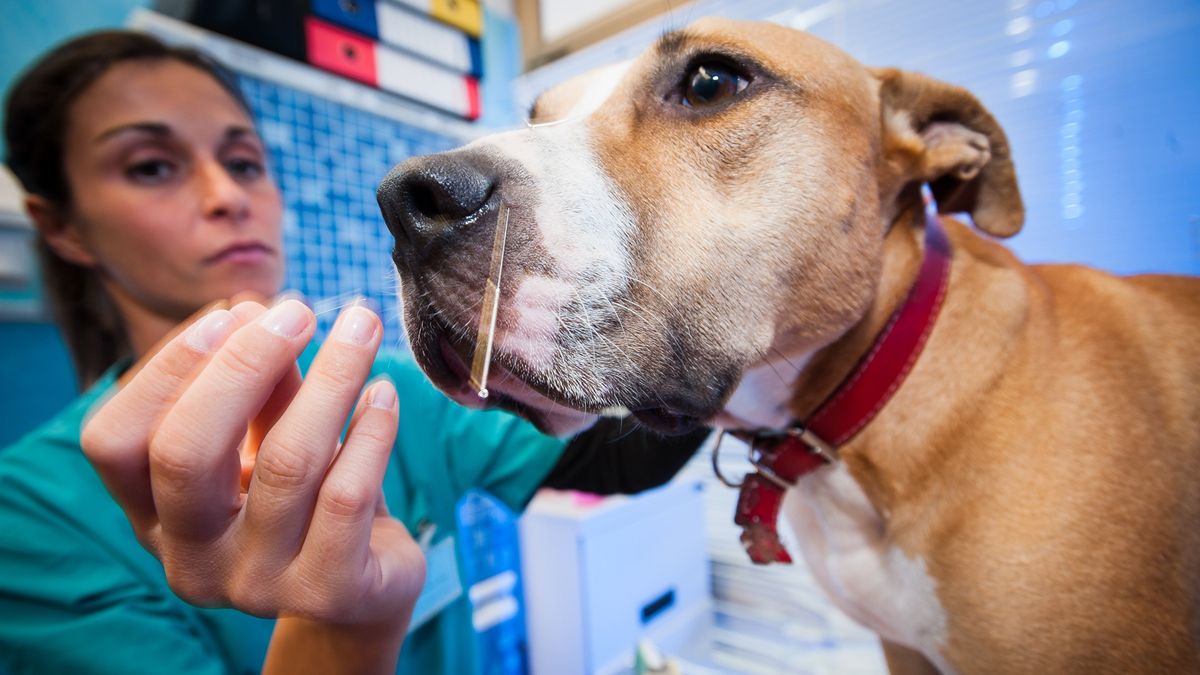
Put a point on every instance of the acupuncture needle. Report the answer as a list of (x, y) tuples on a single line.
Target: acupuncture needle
[(491, 304)]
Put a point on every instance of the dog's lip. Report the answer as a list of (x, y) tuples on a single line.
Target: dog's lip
[(667, 420), (448, 368), (506, 390)]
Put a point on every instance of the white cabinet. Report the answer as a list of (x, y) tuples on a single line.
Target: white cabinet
[(601, 574)]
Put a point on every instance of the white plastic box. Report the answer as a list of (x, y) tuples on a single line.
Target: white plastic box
[(600, 575)]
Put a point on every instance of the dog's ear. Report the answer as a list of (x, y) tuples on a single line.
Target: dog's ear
[(941, 134)]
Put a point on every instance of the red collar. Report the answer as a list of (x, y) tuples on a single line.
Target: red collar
[(783, 457)]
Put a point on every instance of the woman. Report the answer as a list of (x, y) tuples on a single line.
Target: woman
[(149, 189)]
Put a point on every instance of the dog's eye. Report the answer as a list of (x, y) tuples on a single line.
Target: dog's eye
[(709, 83)]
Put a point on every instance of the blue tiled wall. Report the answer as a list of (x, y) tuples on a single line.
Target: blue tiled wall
[(328, 159)]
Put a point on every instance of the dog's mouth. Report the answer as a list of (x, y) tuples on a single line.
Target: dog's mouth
[(444, 357), (445, 362)]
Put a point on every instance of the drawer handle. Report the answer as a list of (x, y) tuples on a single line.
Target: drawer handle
[(657, 606)]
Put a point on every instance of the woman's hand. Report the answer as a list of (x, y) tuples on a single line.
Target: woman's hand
[(230, 470)]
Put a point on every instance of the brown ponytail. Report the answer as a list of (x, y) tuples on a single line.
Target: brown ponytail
[(35, 126)]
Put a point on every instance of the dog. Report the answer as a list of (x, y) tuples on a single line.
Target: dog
[(719, 230)]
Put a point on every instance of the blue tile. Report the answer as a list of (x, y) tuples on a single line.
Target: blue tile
[(328, 159)]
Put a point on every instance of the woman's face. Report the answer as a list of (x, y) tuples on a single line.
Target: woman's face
[(169, 191)]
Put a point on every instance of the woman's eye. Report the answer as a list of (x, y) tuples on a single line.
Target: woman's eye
[(151, 171), (245, 169), (710, 83)]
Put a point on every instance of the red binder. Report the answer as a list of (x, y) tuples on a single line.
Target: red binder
[(354, 56)]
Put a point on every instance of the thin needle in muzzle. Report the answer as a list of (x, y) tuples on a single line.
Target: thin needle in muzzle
[(491, 304)]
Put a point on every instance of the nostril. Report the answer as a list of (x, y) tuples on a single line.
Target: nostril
[(425, 201), (446, 192)]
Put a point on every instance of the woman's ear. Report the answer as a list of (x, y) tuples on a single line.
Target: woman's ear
[(60, 233)]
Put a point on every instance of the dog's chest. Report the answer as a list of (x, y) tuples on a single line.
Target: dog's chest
[(843, 541)]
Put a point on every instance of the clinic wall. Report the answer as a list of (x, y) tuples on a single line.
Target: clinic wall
[(30, 28), (327, 157), (1100, 100), (36, 378)]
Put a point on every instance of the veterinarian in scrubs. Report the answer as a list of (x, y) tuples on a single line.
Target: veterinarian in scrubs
[(149, 188)]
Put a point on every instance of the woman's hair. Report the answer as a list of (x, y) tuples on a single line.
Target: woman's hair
[(35, 128)]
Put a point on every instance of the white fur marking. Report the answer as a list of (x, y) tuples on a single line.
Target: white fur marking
[(761, 398), (843, 541), (585, 225), (535, 308), (601, 85)]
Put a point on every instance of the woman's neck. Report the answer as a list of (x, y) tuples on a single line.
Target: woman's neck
[(144, 327)]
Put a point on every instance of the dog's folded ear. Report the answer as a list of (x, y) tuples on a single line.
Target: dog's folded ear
[(941, 134)]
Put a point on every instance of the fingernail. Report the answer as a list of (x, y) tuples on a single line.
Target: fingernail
[(287, 319), (290, 294), (210, 331), (356, 326), (382, 395)]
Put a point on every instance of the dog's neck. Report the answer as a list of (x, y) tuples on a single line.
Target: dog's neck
[(788, 389), (789, 383), (929, 418), (827, 368)]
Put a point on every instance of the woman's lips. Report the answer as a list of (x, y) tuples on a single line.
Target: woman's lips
[(242, 253)]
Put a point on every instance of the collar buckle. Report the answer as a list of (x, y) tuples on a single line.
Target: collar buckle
[(815, 443)]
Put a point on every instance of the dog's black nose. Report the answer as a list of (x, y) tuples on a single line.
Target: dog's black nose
[(424, 198)]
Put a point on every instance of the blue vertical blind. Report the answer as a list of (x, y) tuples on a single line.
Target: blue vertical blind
[(1100, 100)]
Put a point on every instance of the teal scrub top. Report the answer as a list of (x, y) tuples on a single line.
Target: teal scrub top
[(78, 593)]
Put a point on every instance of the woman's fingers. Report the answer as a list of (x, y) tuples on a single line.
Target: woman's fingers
[(277, 401), (294, 457), (116, 438), (361, 552), (310, 536), (346, 503), (281, 397), (194, 463)]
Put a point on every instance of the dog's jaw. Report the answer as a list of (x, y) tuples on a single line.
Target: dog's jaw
[(762, 398), (443, 358)]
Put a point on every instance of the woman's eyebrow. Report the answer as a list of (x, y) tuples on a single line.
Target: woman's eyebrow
[(153, 128), (162, 130), (234, 133)]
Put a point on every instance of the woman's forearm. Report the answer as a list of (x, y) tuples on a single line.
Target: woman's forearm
[(301, 645)]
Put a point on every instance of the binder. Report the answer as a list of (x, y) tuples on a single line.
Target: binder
[(390, 23), (467, 15), (352, 55)]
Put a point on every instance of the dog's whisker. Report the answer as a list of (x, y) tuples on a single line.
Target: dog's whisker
[(647, 286), (777, 373), (795, 368), (338, 302), (642, 312)]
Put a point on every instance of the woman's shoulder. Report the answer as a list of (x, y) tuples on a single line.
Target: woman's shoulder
[(56, 516), (45, 476), (61, 431)]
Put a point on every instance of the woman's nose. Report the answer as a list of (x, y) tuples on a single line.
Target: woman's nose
[(223, 197)]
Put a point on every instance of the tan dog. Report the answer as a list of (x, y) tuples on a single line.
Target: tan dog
[(716, 232)]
